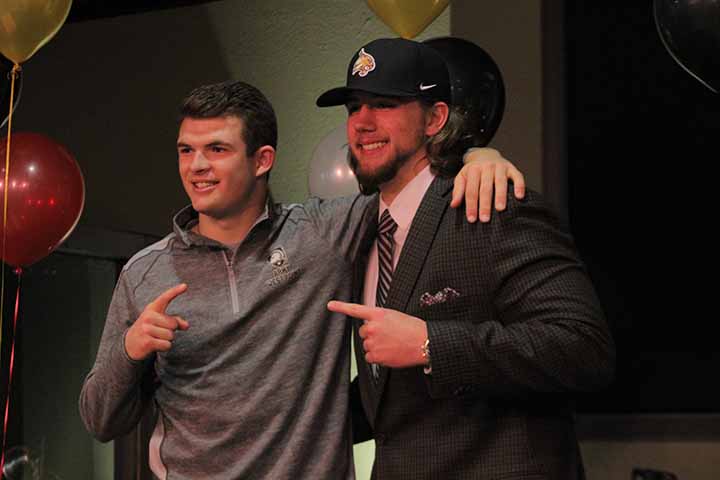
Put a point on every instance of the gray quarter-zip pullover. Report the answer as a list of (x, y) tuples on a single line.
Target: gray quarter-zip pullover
[(257, 387)]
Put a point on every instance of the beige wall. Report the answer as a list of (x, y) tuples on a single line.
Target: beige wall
[(109, 89), (510, 32)]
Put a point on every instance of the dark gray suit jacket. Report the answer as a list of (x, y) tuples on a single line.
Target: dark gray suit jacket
[(520, 329)]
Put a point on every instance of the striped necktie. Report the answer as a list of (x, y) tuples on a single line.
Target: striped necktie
[(386, 248)]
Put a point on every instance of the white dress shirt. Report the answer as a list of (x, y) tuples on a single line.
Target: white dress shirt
[(402, 210)]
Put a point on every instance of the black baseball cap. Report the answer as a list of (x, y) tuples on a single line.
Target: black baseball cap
[(393, 67)]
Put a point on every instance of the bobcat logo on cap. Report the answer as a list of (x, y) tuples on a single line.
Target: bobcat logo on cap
[(364, 64)]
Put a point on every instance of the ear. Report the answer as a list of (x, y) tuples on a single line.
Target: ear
[(264, 160), (436, 118)]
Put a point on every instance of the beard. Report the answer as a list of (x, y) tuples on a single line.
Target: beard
[(369, 182)]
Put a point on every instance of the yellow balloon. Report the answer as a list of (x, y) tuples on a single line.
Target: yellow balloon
[(408, 17), (27, 25)]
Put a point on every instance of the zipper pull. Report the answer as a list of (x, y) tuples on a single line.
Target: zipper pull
[(228, 261)]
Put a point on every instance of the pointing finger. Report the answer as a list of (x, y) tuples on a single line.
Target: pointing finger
[(351, 309), (163, 300)]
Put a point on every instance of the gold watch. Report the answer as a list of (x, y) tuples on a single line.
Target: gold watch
[(425, 348)]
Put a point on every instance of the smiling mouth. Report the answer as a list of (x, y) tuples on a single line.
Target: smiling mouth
[(201, 186), (368, 147)]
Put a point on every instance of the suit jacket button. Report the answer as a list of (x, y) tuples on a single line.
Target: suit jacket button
[(380, 438)]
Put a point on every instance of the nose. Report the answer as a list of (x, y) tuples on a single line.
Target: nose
[(199, 162), (363, 119)]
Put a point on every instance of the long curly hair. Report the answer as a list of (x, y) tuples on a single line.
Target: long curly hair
[(446, 148)]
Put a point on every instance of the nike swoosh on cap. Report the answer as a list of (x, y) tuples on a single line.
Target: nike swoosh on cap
[(427, 87)]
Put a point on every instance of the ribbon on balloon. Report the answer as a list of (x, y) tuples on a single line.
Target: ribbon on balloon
[(25, 26)]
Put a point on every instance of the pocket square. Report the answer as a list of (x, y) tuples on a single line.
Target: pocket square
[(447, 293)]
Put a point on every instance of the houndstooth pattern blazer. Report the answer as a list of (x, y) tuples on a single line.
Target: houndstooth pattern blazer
[(515, 328)]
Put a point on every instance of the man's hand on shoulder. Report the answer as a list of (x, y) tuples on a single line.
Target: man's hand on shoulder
[(485, 170), (154, 331)]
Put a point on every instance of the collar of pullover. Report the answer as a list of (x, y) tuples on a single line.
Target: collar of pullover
[(187, 218)]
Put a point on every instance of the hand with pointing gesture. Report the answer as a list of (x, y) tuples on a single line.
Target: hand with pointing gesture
[(153, 331), (390, 338)]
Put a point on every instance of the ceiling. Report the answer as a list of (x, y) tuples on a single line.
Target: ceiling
[(91, 9)]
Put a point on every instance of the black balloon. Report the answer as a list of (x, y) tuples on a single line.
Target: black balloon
[(690, 30), (6, 67), (477, 88)]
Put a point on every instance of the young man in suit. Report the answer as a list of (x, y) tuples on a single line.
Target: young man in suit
[(472, 337)]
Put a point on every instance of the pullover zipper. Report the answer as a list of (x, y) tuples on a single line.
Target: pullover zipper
[(233, 283)]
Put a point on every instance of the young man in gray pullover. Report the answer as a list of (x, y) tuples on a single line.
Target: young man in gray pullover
[(227, 313)]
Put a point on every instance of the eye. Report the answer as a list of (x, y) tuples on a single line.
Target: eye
[(217, 149), (184, 150), (385, 104), (352, 107)]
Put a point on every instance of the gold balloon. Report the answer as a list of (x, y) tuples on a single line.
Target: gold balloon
[(27, 25), (408, 17)]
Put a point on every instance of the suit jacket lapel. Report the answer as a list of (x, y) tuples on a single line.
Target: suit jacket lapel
[(417, 245), (370, 396)]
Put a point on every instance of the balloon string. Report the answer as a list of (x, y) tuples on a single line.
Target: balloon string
[(13, 75), (18, 272)]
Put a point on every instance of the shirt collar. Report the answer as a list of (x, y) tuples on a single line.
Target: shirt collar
[(407, 202), (187, 218)]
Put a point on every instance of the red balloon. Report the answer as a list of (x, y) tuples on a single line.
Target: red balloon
[(45, 198)]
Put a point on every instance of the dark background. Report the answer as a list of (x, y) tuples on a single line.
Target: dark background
[(643, 139), (91, 9)]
